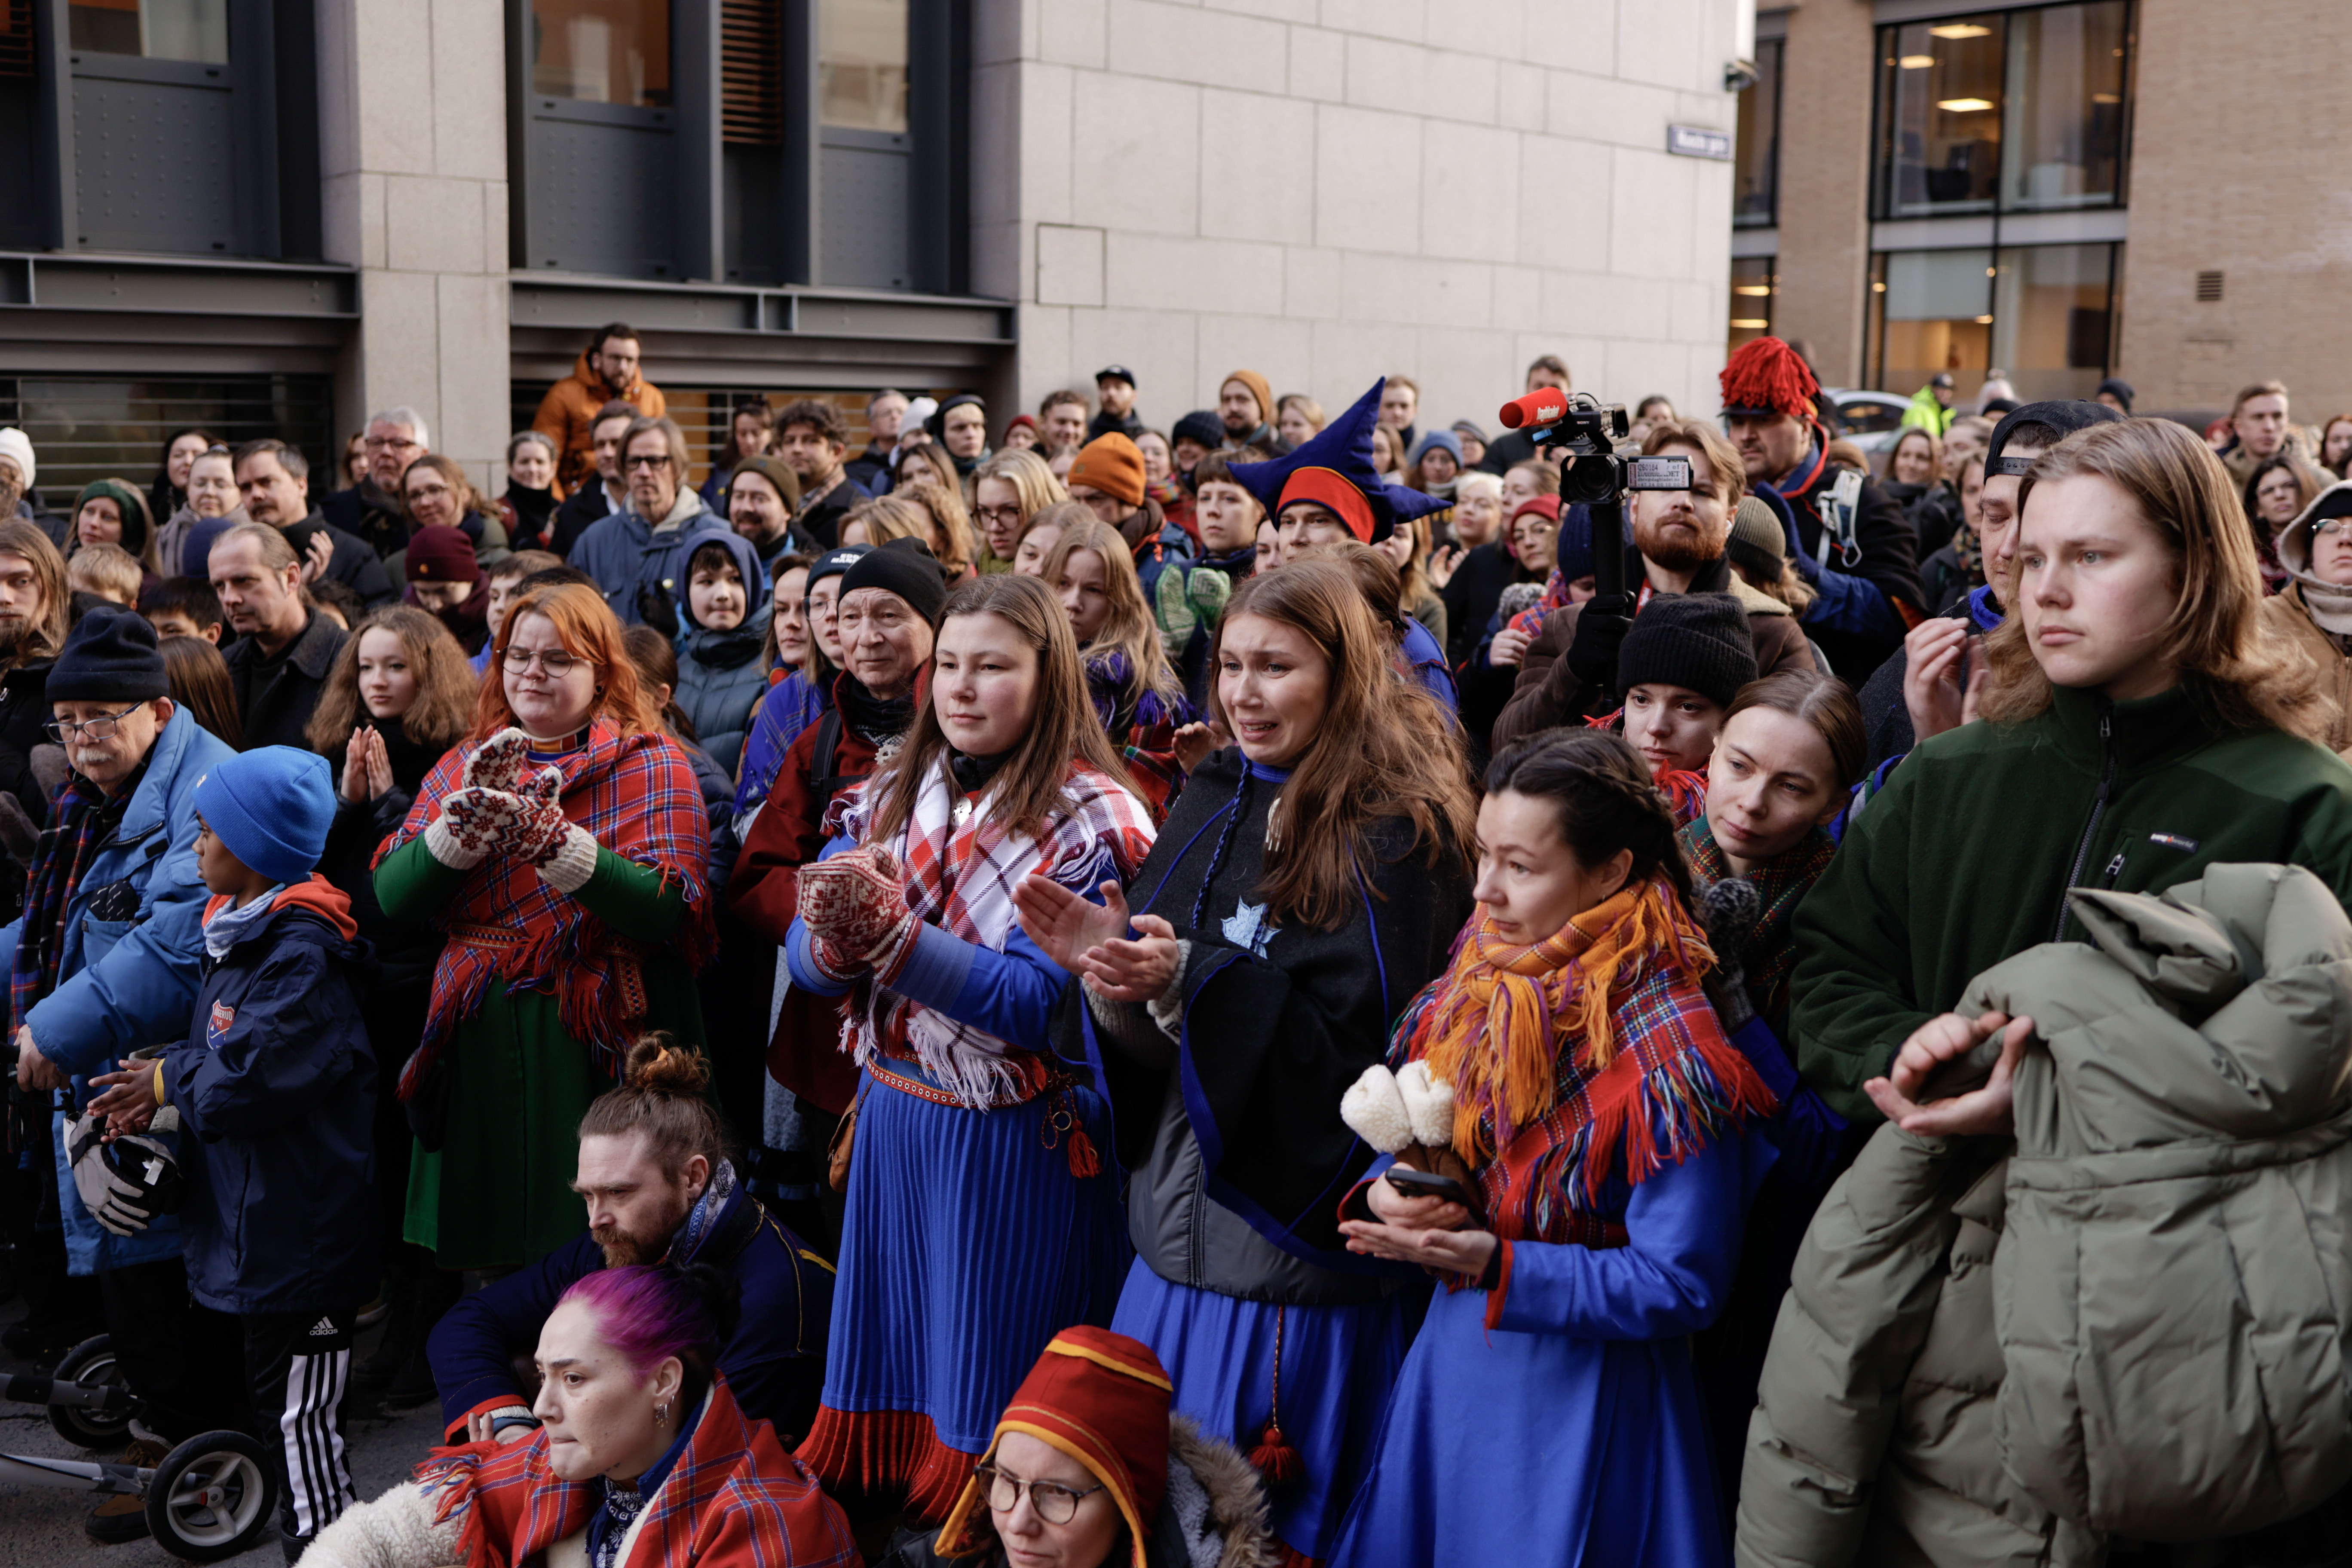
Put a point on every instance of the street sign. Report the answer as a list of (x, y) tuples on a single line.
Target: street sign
[(1698, 141)]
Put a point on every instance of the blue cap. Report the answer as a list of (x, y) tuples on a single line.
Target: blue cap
[(271, 807)]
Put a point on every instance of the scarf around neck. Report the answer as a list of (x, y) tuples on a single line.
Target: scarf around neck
[(1781, 884)]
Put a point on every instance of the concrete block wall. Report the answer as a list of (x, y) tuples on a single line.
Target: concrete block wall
[(1326, 191), (2243, 184), (413, 158)]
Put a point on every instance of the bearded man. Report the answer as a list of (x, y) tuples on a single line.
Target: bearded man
[(655, 1176), (1681, 544)]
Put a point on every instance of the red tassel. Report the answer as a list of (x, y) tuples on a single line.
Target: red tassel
[(1275, 1460), (1084, 1161)]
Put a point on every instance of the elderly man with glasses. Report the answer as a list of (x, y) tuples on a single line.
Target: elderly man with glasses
[(370, 508), (106, 958), (637, 556)]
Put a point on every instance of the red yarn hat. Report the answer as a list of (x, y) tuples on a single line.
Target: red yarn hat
[(1764, 376), (1101, 1398), (441, 554)]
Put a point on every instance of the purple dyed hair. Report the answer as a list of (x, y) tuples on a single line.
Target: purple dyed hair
[(648, 1314)]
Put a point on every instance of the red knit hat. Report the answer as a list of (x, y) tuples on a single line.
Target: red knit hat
[(441, 554), (1101, 1398), (1764, 376)]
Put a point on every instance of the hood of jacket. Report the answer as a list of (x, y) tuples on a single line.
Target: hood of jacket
[(2329, 605), (318, 897), (605, 391), (746, 556), (687, 506)]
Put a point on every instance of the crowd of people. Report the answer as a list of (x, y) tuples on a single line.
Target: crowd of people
[(1055, 993)]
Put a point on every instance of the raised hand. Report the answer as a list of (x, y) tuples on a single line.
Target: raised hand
[(1136, 970), (1934, 1043), (540, 826), (1063, 925), (853, 902), (499, 762), (1933, 693), (482, 821), (379, 766), (354, 786)]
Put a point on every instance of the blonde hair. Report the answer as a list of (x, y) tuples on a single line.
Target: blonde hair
[(2238, 668), (107, 570), (1128, 630), (954, 522)]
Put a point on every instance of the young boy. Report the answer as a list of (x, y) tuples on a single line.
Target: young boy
[(107, 571), (720, 675), (506, 574), (183, 607), (275, 1088), (1192, 599)]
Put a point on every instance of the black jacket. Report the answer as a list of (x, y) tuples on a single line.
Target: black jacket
[(1506, 451), (1104, 423), (275, 697), (354, 562), (870, 470), (366, 513), (581, 510), (276, 1091), (822, 521), (24, 709)]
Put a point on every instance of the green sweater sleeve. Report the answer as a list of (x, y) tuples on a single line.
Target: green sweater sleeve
[(1853, 994), (631, 899)]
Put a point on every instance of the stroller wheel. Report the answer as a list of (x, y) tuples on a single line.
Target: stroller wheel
[(90, 1363), (211, 1497)]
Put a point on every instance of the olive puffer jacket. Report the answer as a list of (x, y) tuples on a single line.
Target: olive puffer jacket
[(2132, 1320)]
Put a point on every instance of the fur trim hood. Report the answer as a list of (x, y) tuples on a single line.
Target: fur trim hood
[(1215, 1504)]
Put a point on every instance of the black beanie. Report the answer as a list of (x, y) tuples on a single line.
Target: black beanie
[(2065, 416), (904, 567), (1697, 640), (1202, 427), (835, 562), (109, 657)]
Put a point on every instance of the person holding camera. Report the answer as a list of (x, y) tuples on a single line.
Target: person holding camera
[(1855, 547), (1569, 1074), (1680, 545)]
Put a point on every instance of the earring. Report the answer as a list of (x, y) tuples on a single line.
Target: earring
[(661, 1414)]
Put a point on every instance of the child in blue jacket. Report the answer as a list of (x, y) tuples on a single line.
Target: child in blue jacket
[(275, 1088)]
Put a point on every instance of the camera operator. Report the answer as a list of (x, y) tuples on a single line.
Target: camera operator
[(1854, 546), (1680, 546)]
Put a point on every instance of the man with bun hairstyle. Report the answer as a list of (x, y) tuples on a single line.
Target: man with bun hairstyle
[(889, 615), (1849, 536), (655, 1175), (1107, 475)]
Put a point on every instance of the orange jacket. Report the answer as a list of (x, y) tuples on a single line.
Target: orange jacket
[(567, 416)]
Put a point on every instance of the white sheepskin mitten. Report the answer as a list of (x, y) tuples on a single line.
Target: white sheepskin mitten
[(1428, 1104), (1375, 1111)]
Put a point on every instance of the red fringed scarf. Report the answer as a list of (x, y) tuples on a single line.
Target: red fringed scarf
[(1591, 1054), (734, 1497), (638, 796)]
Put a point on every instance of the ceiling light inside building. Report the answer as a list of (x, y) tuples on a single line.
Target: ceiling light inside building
[(1960, 30), (1751, 288), (1964, 105), (1745, 324), (1984, 321), (2106, 98), (1916, 62)]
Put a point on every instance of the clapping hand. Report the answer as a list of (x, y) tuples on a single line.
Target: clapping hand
[(1090, 940), (129, 1103), (1934, 1043)]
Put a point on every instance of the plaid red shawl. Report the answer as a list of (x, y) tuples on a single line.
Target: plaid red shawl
[(734, 1500), (1590, 1054), (961, 876), (638, 796)]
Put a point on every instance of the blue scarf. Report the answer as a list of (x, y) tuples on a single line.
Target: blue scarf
[(705, 1213)]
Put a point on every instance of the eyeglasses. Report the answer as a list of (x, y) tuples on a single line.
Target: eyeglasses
[(1054, 1504), (390, 443), (101, 729), (647, 460), (2334, 528), (1006, 516), (556, 662)]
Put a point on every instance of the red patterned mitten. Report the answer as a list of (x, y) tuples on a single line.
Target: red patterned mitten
[(852, 901), (500, 761), (474, 824)]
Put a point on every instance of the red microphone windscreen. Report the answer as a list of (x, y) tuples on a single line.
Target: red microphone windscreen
[(1542, 408)]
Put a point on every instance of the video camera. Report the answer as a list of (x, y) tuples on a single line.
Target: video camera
[(1596, 475)]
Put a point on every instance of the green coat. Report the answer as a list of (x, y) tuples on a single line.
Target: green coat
[(497, 1194), (1964, 858)]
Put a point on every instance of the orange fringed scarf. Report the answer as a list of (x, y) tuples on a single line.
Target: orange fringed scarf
[(1591, 1052)]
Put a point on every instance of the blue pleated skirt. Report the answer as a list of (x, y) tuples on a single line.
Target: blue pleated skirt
[(967, 1246), (1337, 1366)]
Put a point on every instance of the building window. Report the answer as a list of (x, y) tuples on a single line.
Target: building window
[(1756, 175), (2043, 313), (2022, 110), (601, 51), (1753, 282), (87, 428), (152, 29)]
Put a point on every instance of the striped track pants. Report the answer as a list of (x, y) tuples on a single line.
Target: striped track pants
[(299, 1370)]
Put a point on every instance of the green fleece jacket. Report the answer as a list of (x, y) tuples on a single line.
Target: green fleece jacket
[(1965, 858)]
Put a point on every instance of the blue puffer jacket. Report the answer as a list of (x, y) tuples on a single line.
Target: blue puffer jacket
[(125, 984), (624, 555), (720, 675), (276, 1089), (774, 1364)]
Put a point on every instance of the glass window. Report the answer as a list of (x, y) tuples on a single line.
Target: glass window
[(2063, 123), (2052, 308), (862, 64), (1757, 172), (602, 52), (157, 29), (1940, 103), (1753, 281), (1931, 311)]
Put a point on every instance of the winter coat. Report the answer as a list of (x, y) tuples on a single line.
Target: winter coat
[(629, 559), (366, 510), (720, 675), (583, 510), (1212, 1515), (820, 516), (1965, 857), (184, 527), (125, 984), (276, 695), (567, 416), (1935, 514), (24, 711), (2183, 1116), (1927, 414), (354, 563), (774, 1363), (1855, 615), (1549, 693), (276, 1089)]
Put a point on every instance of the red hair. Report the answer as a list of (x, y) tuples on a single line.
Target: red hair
[(1765, 373), (588, 629)]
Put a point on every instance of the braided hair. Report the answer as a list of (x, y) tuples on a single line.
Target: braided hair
[(1606, 798)]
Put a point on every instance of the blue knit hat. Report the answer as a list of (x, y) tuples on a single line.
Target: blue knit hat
[(1446, 438), (109, 657), (270, 807), (1334, 470)]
